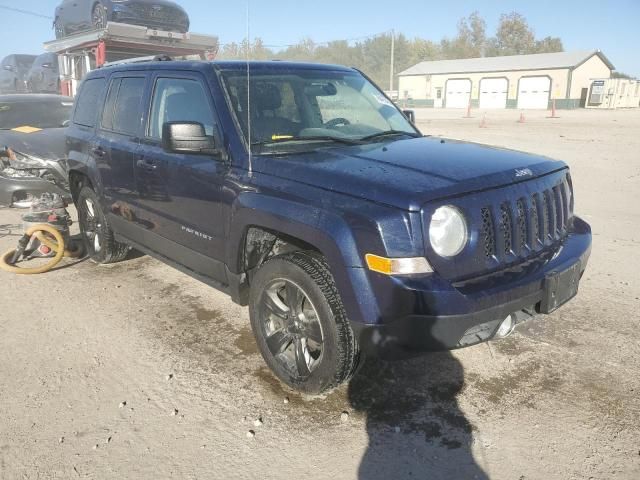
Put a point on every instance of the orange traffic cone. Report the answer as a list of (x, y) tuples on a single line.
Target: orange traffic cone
[(553, 109), (468, 115)]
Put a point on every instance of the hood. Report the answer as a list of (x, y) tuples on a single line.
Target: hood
[(48, 144), (408, 173)]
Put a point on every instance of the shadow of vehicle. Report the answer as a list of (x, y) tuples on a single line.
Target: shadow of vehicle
[(416, 428)]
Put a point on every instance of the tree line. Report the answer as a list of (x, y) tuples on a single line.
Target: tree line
[(513, 36)]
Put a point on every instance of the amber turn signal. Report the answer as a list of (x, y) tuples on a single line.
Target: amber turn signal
[(398, 266)]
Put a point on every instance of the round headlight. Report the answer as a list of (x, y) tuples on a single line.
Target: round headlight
[(448, 231)]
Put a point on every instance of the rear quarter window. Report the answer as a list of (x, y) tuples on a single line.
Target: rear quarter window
[(88, 101)]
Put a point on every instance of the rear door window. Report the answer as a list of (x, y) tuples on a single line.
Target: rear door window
[(88, 101), (122, 112)]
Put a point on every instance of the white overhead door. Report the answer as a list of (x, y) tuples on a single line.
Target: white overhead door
[(458, 93), (493, 92), (533, 92)]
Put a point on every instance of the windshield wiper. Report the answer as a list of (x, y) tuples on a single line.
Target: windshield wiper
[(319, 138), (388, 133)]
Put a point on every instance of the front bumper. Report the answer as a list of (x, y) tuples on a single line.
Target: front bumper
[(16, 189), (437, 315), (177, 23)]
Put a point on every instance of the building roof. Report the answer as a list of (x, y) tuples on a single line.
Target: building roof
[(538, 61)]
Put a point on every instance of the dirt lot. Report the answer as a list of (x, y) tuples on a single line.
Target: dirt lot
[(137, 371)]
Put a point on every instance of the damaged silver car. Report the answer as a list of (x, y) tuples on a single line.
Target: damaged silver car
[(32, 147)]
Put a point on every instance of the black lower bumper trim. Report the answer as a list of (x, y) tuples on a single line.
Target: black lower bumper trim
[(416, 334)]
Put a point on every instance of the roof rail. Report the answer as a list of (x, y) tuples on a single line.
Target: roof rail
[(150, 58)]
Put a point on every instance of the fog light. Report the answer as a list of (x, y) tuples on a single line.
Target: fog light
[(506, 327)]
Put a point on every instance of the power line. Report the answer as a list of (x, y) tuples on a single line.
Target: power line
[(25, 12), (348, 40)]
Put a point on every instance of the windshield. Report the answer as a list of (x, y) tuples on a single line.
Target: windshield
[(309, 106), (44, 114)]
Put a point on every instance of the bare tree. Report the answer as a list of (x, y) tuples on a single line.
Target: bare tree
[(470, 40), (373, 55), (549, 45), (513, 37)]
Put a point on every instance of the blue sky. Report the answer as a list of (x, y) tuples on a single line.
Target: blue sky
[(610, 26)]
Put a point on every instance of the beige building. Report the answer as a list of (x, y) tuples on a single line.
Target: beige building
[(519, 81), (614, 93)]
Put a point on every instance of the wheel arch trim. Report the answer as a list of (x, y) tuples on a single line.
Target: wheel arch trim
[(326, 231)]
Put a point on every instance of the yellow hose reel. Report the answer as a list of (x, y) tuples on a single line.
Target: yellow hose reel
[(47, 235)]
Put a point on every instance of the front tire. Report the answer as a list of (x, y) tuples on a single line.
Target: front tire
[(300, 324), (97, 235)]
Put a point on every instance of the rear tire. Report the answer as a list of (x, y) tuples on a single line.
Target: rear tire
[(300, 324), (99, 240)]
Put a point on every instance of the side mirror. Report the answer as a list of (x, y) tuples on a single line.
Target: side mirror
[(410, 114), (187, 137), (8, 67), (47, 65)]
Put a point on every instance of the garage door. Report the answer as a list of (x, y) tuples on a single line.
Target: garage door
[(533, 92), (458, 93), (493, 92)]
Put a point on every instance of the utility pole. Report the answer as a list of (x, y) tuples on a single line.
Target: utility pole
[(393, 52)]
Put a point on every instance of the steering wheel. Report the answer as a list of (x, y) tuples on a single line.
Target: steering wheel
[(334, 122)]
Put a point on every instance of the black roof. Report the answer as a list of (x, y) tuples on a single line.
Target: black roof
[(275, 64), (33, 98), (220, 64)]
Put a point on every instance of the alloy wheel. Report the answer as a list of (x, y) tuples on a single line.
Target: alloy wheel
[(91, 226), (291, 327)]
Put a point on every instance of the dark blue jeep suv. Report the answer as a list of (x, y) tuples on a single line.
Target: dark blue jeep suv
[(303, 192)]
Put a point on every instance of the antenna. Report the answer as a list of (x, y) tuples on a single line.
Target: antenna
[(249, 88)]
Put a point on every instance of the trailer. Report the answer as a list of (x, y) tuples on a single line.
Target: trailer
[(80, 53)]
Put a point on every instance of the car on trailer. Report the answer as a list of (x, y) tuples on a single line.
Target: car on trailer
[(74, 16)]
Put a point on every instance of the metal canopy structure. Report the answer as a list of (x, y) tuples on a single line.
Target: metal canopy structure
[(80, 53)]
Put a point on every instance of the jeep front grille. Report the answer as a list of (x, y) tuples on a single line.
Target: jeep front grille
[(506, 226), (488, 238), (526, 224)]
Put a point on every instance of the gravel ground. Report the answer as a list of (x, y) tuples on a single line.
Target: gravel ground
[(137, 371)]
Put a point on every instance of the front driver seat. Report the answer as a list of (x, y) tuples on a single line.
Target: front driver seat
[(266, 100)]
